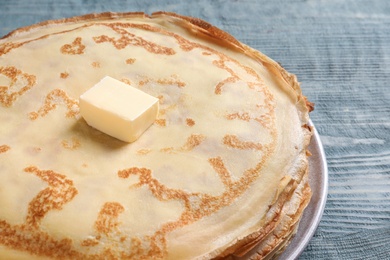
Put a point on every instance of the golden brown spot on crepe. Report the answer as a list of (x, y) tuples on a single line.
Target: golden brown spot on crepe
[(221, 63), (19, 81), (74, 48), (193, 141), (234, 142), (128, 39), (184, 44), (71, 144), (89, 242), (190, 121), (4, 148), (138, 248), (160, 122), (8, 46), (264, 120), (107, 219), (242, 116), (127, 81), (95, 64), (143, 82), (64, 75), (257, 84), (159, 190), (54, 98), (218, 88), (220, 168), (130, 61), (59, 192), (171, 81)]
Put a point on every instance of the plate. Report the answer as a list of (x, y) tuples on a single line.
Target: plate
[(318, 179)]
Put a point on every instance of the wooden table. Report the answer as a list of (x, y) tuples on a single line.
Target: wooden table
[(340, 51)]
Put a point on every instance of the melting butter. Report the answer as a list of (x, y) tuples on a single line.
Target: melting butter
[(118, 109)]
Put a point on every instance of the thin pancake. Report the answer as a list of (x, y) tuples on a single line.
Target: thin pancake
[(215, 175)]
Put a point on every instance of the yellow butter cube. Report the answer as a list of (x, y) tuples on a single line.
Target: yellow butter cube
[(118, 109)]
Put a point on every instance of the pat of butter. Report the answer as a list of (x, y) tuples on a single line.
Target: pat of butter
[(118, 109)]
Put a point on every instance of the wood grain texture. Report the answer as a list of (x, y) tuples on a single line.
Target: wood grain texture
[(340, 51)]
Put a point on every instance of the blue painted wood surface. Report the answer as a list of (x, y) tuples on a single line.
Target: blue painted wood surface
[(340, 51)]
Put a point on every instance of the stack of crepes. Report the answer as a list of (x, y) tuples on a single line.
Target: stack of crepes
[(221, 173)]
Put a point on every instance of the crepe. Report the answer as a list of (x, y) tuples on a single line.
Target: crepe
[(222, 172)]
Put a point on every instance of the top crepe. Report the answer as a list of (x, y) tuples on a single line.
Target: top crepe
[(221, 173)]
